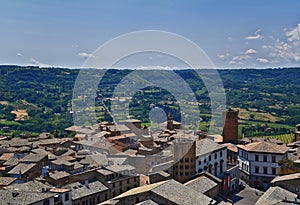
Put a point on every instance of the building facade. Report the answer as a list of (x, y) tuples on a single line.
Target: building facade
[(119, 178), (211, 157), (184, 152), (258, 162)]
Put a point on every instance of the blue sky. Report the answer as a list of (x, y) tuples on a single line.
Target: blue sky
[(234, 33)]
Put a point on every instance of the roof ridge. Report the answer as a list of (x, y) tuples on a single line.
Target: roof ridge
[(162, 182)]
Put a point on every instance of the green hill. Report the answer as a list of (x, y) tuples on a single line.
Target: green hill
[(34, 99)]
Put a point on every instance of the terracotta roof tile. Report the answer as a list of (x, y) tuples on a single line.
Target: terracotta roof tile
[(264, 147)]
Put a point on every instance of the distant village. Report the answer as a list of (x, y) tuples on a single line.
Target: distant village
[(125, 164)]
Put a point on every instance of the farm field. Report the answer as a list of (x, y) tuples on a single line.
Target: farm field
[(285, 138)]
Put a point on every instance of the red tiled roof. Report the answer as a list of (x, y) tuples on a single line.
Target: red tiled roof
[(6, 156)]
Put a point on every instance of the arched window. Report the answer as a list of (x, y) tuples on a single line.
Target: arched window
[(210, 168), (221, 165), (216, 168)]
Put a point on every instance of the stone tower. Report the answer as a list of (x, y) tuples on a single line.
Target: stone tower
[(297, 133), (170, 125), (230, 126), (184, 152)]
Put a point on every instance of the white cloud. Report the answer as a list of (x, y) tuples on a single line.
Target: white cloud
[(241, 58), (262, 60), (266, 46), (223, 57), (250, 51), (85, 55), (256, 36), (158, 67), (237, 60), (284, 51), (293, 34), (35, 62), (232, 62), (19, 54)]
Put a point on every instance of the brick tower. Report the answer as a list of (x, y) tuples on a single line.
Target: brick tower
[(297, 133), (230, 126)]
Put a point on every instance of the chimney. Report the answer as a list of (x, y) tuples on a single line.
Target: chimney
[(86, 182)]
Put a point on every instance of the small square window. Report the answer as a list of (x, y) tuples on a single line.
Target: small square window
[(273, 171), (273, 159)]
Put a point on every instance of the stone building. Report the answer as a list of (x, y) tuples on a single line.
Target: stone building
[(184, 152), (277, 195), (159, 176), (88, 193), (62, 196), (290, 182), (119, 178), (167, 192), (207, 184), (22, 197)]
